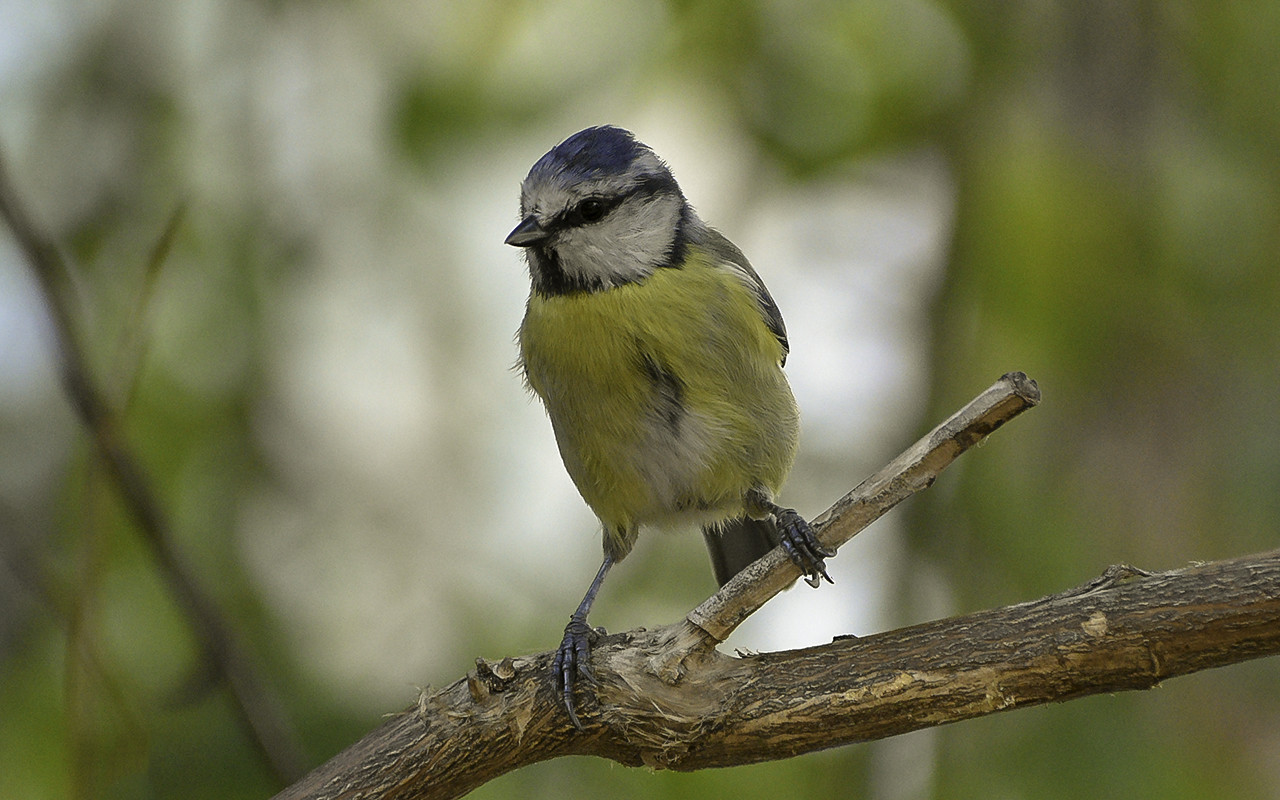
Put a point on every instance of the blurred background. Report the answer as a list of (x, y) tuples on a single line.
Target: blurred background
[(317, 375)]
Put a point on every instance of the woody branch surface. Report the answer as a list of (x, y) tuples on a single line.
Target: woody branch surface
[(1126, 630), (914, 470), (675, 671)]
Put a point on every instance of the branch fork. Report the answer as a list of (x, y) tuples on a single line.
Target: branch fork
[(668, 699), (665, 696)]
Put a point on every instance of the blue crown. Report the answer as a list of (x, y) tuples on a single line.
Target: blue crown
[(592, 153)]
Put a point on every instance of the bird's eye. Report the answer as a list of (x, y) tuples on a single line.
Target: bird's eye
[(592, 209)]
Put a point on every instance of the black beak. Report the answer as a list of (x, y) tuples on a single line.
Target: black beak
[(528, 233)]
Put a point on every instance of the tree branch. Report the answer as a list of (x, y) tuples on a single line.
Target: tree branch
[(666, 698), (257, 709), (1126, 630), (913, 471)]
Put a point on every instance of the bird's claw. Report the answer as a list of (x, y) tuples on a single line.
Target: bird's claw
[(802, 546), (573, 659)]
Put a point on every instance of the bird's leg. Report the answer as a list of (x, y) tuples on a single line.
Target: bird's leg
[(575, 649), (797, 539)]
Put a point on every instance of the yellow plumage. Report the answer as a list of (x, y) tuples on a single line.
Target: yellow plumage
[(666, 395)]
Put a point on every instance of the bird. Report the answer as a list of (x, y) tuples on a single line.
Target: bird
[(658, 355)]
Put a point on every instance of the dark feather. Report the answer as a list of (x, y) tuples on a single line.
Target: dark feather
[(727, 251), (733, 545)]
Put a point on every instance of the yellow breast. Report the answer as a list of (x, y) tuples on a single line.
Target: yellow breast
[(667, 396)]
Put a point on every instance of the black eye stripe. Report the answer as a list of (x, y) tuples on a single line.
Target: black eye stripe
[(585, 212), (650, 185)]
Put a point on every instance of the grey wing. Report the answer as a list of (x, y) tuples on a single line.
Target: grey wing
[(728, 253)]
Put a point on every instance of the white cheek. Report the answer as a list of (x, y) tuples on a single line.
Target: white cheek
[(648, 234), (630, 243)]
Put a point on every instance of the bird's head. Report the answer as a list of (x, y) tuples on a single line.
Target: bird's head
[(597, 211)]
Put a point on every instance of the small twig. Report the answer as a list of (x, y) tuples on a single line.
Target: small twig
[(257, 709), (914, 470), (131, 352)]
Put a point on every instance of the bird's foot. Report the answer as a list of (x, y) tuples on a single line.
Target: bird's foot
[(573, 659), (802, 545)]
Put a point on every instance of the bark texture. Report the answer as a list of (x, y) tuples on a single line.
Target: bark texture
[(668, 699), (1126, 630)]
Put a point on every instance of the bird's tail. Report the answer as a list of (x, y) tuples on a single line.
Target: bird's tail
[(736, 543)]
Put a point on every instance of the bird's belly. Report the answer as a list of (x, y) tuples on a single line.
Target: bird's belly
[(637, 468), (653, 467), (678, 465)]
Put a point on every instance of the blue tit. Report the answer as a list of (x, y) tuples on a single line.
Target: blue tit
[(658, 353)]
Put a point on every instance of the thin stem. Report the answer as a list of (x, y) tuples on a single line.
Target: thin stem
[(258, 710)]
